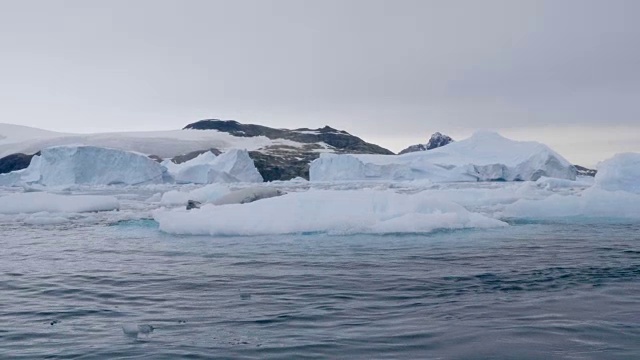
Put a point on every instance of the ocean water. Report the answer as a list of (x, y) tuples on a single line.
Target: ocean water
[(529, 291)]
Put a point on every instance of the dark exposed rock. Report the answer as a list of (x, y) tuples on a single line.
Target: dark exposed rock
[(192, 204), (155, 158), (414, 148), (437, 140), (192, 155), (277, 167), (341, 140), (15, 162), (583, 171), (288, 162)]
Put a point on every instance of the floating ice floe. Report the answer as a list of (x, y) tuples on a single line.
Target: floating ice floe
[(334, 212), (614, 195), (133, 330), (245, 196), (39, 202), (206, 194), (591, 203), (485, 156)]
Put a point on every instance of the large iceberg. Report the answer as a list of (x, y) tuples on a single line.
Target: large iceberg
[(485, 156), (615, 194), (622, 172), (232, 166), (325, 211), (88, 165)]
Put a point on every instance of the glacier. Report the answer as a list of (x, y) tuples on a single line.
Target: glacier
[(485, 156)]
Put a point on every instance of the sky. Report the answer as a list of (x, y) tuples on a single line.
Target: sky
[(562, 72)]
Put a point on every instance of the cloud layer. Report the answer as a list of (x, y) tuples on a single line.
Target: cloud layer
[(393, 71)]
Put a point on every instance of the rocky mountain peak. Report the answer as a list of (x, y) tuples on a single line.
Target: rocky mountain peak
[(437, 140)]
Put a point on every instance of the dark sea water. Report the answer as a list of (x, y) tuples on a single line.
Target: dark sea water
[(529, 291)]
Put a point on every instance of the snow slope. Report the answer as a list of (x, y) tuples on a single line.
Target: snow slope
[(485, 156), (166, 144), (11, 134)]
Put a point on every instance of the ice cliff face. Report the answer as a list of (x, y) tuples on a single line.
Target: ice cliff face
[(620, 173), (90, 165), (437, 140), (232, 166), (483, 157)]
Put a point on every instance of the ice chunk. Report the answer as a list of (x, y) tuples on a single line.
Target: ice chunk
[(36, 202), (233, 166), (327, 211), (246, 196), (591, 203), (204, 194), (238, 164), (133, 330), (622, 172), (483, 157), (554, 184), (203, 174)]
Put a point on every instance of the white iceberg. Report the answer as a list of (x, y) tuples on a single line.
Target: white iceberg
[(622, 172), (232, 166), (593, 203), (485, 156), (88, 165), (39, 202), (325, 211)]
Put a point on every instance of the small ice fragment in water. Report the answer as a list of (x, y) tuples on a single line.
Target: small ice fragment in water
[(244, 296), (133, 330), (145, 329)]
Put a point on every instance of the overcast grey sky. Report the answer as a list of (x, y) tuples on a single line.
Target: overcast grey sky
[(564, 72)]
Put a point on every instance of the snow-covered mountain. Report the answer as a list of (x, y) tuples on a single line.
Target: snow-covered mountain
[(288, 161), (437, 140)]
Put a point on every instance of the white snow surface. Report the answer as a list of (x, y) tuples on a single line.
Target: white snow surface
[(90, 165), (485, 156), (622, 172), (166, 144), (42, 202), (204, 194), (333, 212)]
